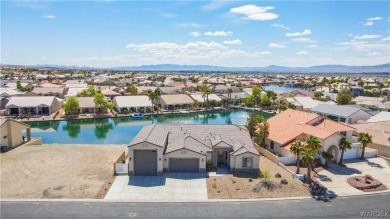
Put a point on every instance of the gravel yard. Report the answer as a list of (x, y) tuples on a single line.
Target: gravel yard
[(58, 171), (240, 186)]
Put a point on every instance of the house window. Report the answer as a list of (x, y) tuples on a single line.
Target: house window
[(342, 119), (272, 144), (247, 162), (343, 133), (5, 136), (209, 158)]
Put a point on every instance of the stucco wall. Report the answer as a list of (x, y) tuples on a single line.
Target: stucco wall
[(145, 146), (184, 153), (238, 161), (56, 105), (4, 135), (383, 150), (14, 132), (360, 115)]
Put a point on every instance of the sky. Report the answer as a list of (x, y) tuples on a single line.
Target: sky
[(222, 33)]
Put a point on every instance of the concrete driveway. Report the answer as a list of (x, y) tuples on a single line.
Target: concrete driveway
[(335, 177), (168, 187)]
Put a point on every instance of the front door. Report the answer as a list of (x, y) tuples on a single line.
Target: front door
[(222, 157)]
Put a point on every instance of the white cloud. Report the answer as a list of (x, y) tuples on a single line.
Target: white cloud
[(311, 46), (367, 36), (304, 33), (303, 40), (253, 12), (232, 42), (386, 39), (364, 46), (374, 54), (195, 34), (277, 46), (219, 33), (191, 51), (375, 18), (369, 23), (280, 26), (188, 24), (215, 5), (49, 17), (302, 53)]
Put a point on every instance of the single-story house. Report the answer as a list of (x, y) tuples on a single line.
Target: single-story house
[(12, 133), (175, 101), (198, 97), (87, 105), (383, 106), (356, 91), (110, 93), (73, 91), (162, 148), (303, 93), (235, 97), (170, 90), (340, 113), (47, 91), (368, 101), (223, 89), (291, 125), (36, 105), (306, 103), (25, 85), (126, 104), (380, 117), (380, 132)]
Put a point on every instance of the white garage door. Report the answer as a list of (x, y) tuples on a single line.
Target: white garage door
[(351, 154)]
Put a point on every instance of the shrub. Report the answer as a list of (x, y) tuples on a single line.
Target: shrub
[(250, 180), (278, 175), (357, 179), (368, 177), (214, 185), (233, 181), (237, 188), (264, 174), (283, 181), (219, 191)]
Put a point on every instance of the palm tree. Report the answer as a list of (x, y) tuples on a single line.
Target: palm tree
[(204, 89), (364, 138), (132, 90), (308, 156), (229, 92), (327, 156), (318, 95), (313, 143), (280, 105), (291, 106), (263, 132), (296, 147), (343, 146), (152, 98), (380, 86)]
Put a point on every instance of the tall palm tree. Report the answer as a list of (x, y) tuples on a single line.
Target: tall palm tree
[(229, 92), (343, 146), (152, 98), (313, 143), (204, 89), (263, 132), (308, 156), (296, 148), (365, 138)]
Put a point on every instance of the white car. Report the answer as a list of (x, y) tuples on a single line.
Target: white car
[(108, 99)]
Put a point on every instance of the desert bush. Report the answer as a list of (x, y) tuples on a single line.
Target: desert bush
[(283, 181), (214, 185), (278, 175)]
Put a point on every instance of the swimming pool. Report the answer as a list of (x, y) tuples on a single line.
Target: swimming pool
[(121, 130)]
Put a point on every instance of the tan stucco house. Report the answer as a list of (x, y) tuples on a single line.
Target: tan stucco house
[(162, 148)]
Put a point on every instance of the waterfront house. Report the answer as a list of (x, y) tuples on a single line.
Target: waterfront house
[(127, 104), (175, 101), (212, 97), (162, 148), (305, 103), (236, 98), (340, 113), (291, 125), (36, 105)]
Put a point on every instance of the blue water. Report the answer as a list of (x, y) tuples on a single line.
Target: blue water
[(122, 130)]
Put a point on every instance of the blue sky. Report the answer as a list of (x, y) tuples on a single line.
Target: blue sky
[(224, 33)]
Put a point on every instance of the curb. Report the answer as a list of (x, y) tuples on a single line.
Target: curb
[(188, 201)]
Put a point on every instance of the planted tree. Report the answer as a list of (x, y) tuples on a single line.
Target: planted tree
[(280, 105), (343, 146), (262, 132), (308, 156), (296, 148), (252, 123), (344, 97), (313, 143), (101, 102), (327, 156), (132, 90), (364, 138), (71, 105)]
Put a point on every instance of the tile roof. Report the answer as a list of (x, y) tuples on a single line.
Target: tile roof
[(177, 99), (198, 138), (380, 131), (336, 110), (132, 101), (291, 124)]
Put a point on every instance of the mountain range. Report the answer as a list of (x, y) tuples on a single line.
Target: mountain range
[(383, 68)]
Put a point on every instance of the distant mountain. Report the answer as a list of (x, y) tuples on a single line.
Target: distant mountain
[(383, 68)]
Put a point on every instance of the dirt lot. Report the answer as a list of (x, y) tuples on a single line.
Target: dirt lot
[(239, 186), (58, 171)]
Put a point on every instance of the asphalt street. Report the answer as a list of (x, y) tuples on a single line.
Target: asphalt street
[(341, 207)]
